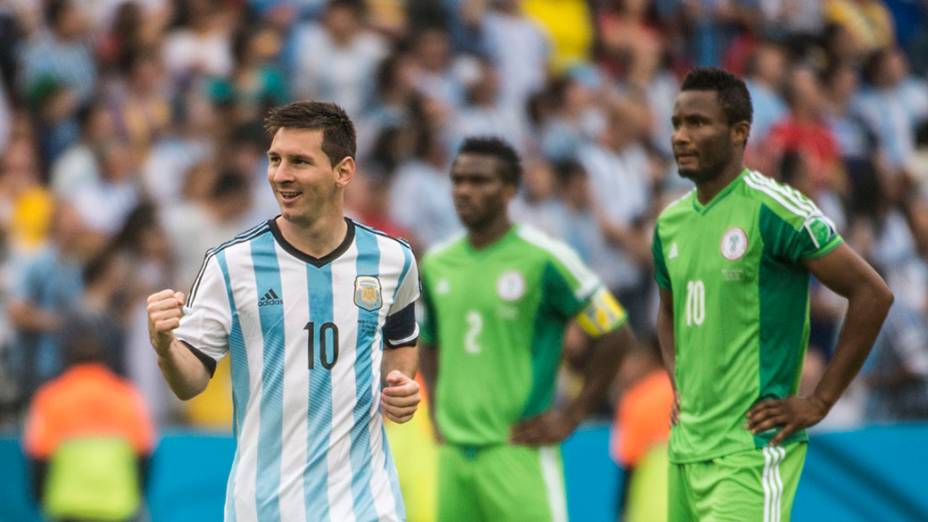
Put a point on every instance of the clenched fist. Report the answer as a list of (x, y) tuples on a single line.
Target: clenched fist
[(400, 397), (165, 308)]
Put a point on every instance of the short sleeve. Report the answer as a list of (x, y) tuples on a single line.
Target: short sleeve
[(426, 316), (207, 318), (568, 283), (408, 290), (794, 238), (661, 275), (400, 327)]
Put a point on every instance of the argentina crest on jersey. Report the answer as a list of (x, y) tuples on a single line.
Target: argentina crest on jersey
[(367, 293)]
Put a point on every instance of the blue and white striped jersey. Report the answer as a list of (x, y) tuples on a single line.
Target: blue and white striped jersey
[(306, 338)]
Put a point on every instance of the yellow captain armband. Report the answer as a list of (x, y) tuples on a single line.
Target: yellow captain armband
[(602, 315)]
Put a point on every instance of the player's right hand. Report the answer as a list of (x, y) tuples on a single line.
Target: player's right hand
[(165, 308)]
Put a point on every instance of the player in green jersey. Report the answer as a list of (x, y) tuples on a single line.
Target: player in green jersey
[(732, 260), (497, 301)]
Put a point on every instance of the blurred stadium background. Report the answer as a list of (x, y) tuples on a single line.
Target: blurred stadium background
[(131, 142)]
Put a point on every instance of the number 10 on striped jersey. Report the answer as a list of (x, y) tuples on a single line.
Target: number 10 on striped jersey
[(328, 337), (695, 303)]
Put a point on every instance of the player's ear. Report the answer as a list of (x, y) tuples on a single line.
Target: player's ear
[(740, 132), (344, 172), (510, 190)]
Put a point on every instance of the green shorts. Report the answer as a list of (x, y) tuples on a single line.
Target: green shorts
[(755, 485), (500, 483)]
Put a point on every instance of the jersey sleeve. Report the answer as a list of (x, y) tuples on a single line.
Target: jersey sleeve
[(568, 283), (574, 291), (408, 290), (400, 327), (426, 313), (797, 230), (661, 275), (207, 318)]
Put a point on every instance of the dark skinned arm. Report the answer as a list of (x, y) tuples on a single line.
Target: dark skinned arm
[(869, 299), (668, 350), (555, 425), (428, 366)]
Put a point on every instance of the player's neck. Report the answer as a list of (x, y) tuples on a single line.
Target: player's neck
[(316, 239), (481, 237), (708, 189)]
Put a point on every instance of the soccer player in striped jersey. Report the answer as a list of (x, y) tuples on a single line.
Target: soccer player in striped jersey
[(313, 310), (497, 301), (732, 260)]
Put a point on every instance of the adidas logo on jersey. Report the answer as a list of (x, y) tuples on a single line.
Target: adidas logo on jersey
[(673, 251), (270, 298)]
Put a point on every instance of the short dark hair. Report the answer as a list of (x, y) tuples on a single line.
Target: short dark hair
[(511, 171), (82, 339), (338, 138), (55, 11), (733, 94), (97, 266), (357, 7)]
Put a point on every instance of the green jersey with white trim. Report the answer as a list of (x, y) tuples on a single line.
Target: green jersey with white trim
[(740, 306), (497, 315)]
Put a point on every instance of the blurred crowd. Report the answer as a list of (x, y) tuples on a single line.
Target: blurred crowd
[(132, 142)]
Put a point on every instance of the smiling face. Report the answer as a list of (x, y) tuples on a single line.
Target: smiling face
[(303, 179), (703, 140)]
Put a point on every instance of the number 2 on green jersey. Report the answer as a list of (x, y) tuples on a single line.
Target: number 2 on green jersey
[(695, 303), (474, 325)]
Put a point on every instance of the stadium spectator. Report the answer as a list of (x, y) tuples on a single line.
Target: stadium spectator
[(199, 44), (88, 435), (857, 143), (140, 106), (145, 244), (897, 371), (437, 76), (893, 103), (518, 46), (765, 76), (62, 53), (639, 434), (579, 223), (483, 114), (105, 202), (189, 141), (620, 172), (78, 166), (423, 180), (568, 115), (205, 221), (26, 205), (539, 202), (344, 57), (46, 287), (804, 131)]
